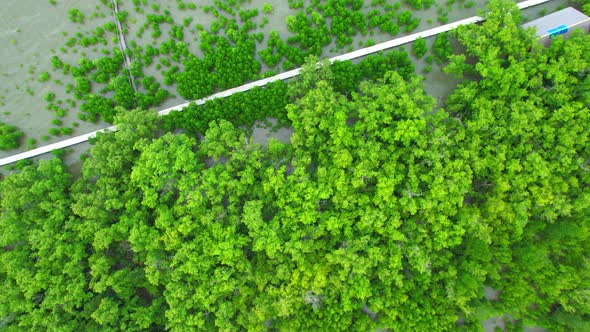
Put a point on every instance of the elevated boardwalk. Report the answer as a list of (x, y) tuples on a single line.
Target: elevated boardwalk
[(282, 76)]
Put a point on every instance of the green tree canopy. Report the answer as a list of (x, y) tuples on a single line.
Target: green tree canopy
[(526, 118), (382, 212)]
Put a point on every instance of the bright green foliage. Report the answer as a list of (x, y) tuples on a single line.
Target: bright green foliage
[(76, 16), (41, 262), (97, 105), (9, 137), (347, 76)]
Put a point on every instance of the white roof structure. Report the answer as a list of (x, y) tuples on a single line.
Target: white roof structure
[(559, 23), (282, 76)]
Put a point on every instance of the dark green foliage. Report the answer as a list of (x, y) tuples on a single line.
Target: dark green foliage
[(50, 97), (66, 131), (82, 87), (346, 18), (31, 142), (226, 67), (124, 95), (273, 54), (258, 104), (9, 137), (311, 33), (441, 48), (382, 213), (229, 49), (95, 106), (347, 76), (106, 68), (385, 21), (76, 16)]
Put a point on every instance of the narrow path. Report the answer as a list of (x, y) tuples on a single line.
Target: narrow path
[(122, 43), (282, 76)]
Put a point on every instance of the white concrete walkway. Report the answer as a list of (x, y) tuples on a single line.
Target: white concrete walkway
[(286, 75)]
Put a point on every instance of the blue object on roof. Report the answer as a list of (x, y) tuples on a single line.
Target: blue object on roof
[(560, 30)]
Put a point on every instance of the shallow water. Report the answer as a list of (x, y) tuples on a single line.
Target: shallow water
[(29, 29)]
